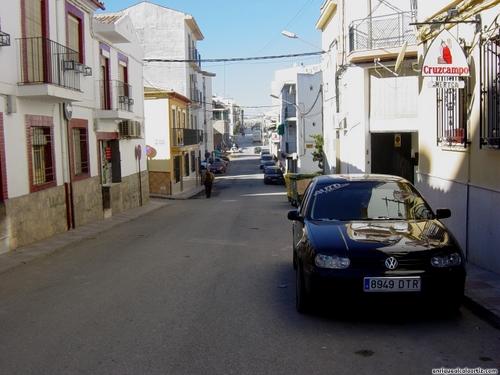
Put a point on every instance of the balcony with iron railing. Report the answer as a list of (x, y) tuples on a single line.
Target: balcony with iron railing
[(375, 36), (116, 100), (195, 59), (196, 96), (186, 137), (290, 111), (49, 70)]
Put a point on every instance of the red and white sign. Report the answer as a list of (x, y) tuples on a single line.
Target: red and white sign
[(445, 58)]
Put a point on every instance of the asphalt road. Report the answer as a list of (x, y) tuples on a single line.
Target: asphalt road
[(206, 286)]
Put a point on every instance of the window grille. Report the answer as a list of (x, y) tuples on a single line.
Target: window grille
[(186, 164), (193, 161), (81, 158), (490, 92), (41, 145), (177, 168), (451, 119)]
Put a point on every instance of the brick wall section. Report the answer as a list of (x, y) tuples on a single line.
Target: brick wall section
[(159, 183)]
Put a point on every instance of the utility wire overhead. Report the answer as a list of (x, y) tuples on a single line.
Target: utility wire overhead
[(234, 58)]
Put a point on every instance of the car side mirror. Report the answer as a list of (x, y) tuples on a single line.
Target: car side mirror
[(443, 213), (294, 215)]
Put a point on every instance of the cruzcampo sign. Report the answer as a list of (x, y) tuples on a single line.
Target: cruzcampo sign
[(445, 58)]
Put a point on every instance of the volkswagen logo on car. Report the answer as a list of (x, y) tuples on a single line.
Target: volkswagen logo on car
[(391, 263)]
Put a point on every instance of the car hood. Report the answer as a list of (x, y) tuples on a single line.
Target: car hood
[(383, 235)]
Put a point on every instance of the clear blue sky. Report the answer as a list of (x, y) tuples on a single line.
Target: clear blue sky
[(244, 29)]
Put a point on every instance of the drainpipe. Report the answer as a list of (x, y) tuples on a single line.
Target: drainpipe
[(65, 116)]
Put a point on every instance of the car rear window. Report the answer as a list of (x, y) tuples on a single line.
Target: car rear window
[(273, 171)]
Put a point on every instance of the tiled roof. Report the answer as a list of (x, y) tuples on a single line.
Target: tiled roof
[(108, 18)]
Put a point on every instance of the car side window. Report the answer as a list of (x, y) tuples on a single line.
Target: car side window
[(305, 199)]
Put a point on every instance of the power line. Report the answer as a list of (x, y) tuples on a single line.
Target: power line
[(234, 59)]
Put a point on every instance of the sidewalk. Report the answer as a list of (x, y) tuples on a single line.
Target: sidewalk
[(482, 288)]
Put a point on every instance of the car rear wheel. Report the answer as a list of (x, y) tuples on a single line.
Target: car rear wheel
[(302, 298)]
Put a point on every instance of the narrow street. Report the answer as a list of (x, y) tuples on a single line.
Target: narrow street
[(206, 286)]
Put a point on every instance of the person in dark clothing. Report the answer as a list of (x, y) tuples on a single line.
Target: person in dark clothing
[(208, 179)]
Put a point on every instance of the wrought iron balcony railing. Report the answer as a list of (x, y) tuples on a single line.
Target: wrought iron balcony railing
[(196, 96), (186, 137), (116, 95), (381, 32), (44, 61), (290, 111), (195, 57), (4, 39)]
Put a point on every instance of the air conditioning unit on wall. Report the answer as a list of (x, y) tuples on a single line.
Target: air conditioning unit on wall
[(130, 129)]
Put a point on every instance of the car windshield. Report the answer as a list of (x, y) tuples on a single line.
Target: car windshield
[(367, 200), (266, 157)]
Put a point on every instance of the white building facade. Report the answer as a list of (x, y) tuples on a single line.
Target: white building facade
[(385, 113), (297, 93), (51, 156), (370, 110), (172, 63)]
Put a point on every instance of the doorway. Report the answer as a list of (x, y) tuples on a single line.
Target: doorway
[(392, 154)]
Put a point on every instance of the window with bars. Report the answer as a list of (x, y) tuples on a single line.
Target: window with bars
[(177, 168), (451, 114), (490, 92), (186, 164), (42, 158), (80, 151), (193, 161)]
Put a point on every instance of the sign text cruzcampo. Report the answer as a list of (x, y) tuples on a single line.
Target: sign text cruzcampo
[(445, 71), (445, 58)]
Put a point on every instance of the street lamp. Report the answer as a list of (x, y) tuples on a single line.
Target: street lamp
[(286, 101), (291, 35), (300, 122)]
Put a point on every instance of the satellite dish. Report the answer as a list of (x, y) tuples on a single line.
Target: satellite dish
[(401, 57)]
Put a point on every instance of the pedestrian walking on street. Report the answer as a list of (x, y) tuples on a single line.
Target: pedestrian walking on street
[(208, 179)]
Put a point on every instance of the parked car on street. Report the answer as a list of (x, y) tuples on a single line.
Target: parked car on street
[(267, 160), (362, 238), (215, 159), (273, 175), (217, 167), (203, 166), (268, 163), (265, 151)]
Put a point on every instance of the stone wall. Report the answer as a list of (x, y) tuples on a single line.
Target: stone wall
[(132, 188), (87, 201), (43, 214), (36, 216)]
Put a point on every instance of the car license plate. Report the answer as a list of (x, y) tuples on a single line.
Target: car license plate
[(391, 284)]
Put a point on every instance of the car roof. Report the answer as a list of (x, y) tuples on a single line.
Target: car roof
[(354, 177)]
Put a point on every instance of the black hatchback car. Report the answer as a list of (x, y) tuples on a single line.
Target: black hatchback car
[(273, 175), (373, 238)]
